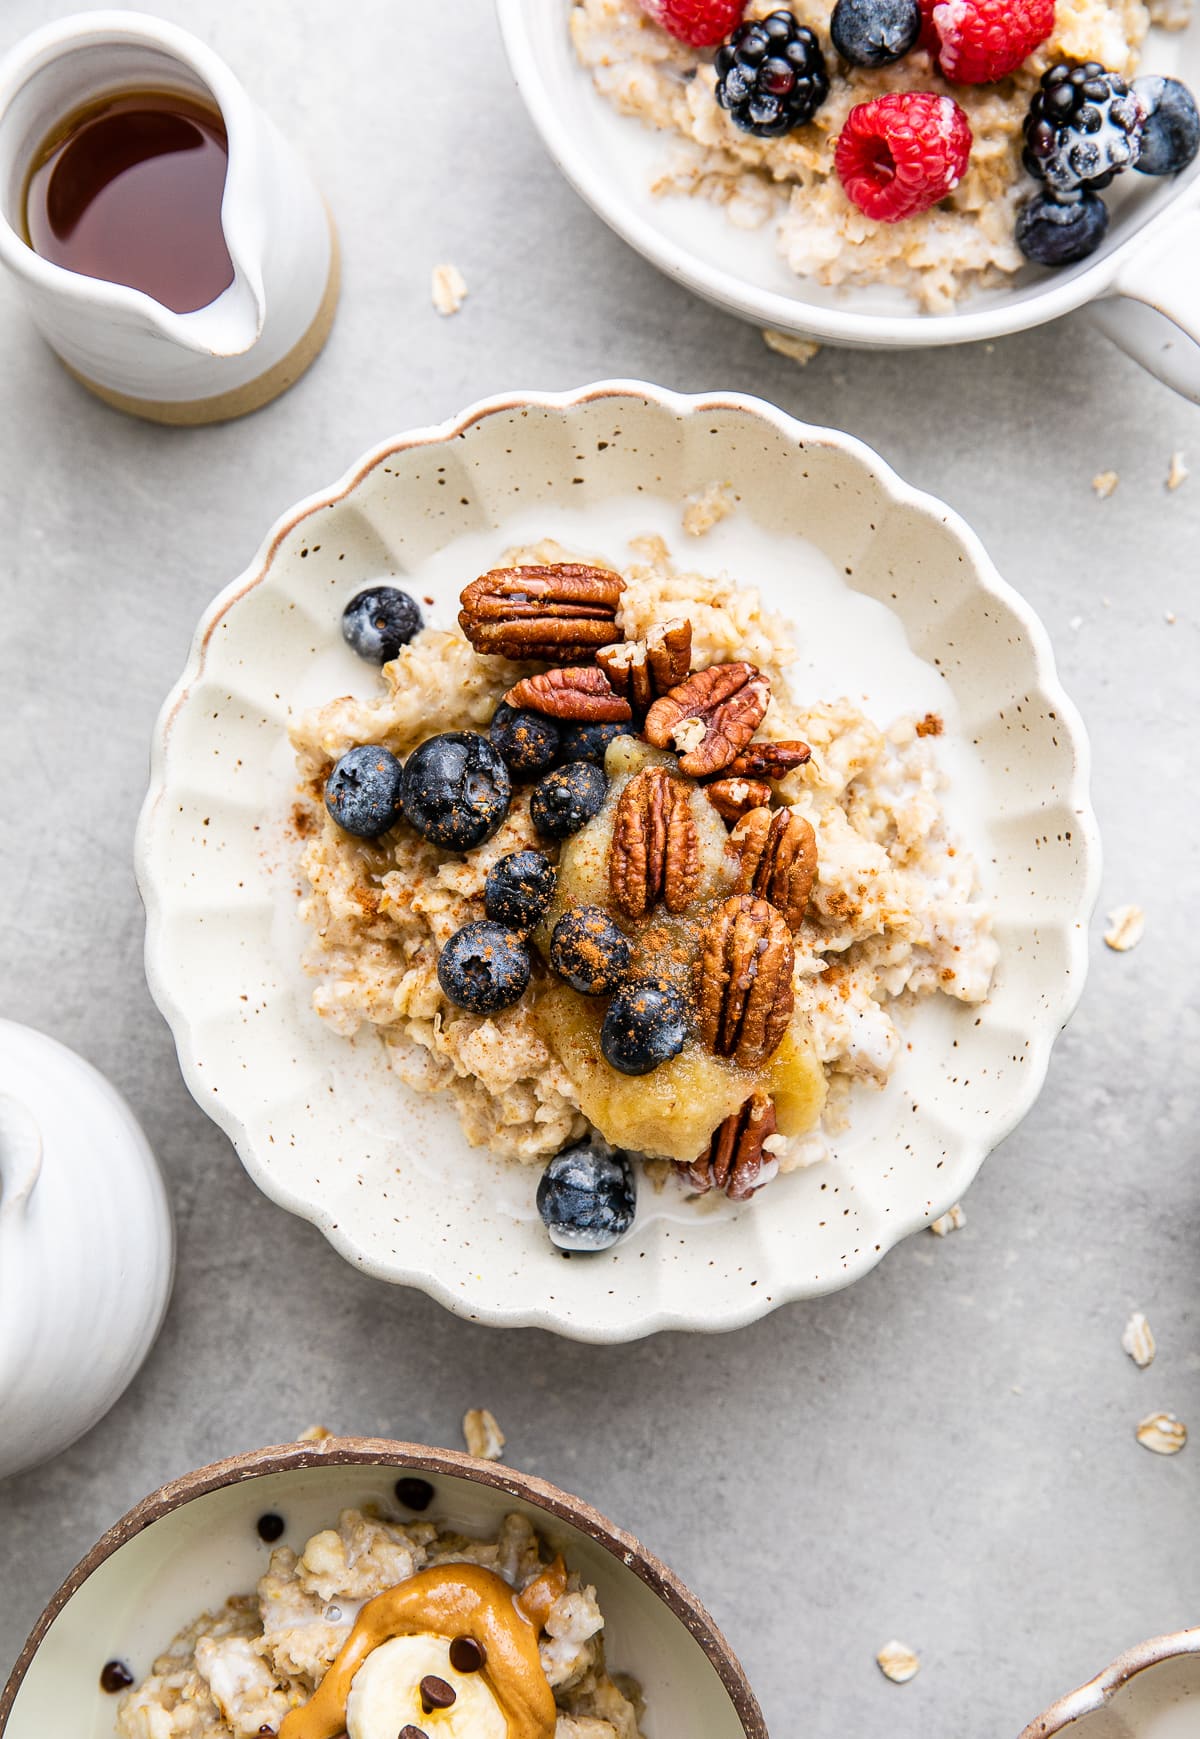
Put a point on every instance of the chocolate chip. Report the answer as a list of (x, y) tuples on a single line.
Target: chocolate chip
[(411, 1732), (270, 1527), (414, 1494), (265, 1732), (436, 1694), (467, 1655), (115, 1676)]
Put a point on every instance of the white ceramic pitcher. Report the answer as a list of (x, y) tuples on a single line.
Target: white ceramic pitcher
[(86, 1247), (260, 334)]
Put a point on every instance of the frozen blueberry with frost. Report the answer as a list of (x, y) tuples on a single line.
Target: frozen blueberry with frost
[(456, 790), (1170, 125), (875, 32), (528, 741), (646, 1025), (379, 621), (519, 889), (590, 742), (1058, 232), (363, 793), (484, 968), (587, 1197), (566, 799), (589, 951)]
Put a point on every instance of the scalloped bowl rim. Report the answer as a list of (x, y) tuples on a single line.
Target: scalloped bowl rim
[(1096, 1695), (1059, 1009), (552, 1500)]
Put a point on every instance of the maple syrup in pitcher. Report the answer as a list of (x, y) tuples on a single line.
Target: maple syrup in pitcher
[(129, 189)]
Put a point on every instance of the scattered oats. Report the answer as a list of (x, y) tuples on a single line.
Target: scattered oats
[(1163, 1433), (1178, 473), (449, 289), (314, 1434), (1169, 616), (1126, 927), (1138, 1340), (1076, 623), (801, 350), (949, 1222), (1104, 483), (485, 1440), (688, 735), (1106, 601), (990, 349), (898, 1663), (707, 509)]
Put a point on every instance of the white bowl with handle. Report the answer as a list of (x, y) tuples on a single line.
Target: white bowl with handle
[(901, 607), (1152, 1691), (1142, 287)]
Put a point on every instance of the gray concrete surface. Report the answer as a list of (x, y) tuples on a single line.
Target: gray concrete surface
[(944, 1453)]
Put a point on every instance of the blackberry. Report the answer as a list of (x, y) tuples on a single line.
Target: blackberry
[(771, 76), (1083, 127)]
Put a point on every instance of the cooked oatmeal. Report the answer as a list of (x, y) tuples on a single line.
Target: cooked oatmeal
[(895, 914), (964, 243), (238, 1672)]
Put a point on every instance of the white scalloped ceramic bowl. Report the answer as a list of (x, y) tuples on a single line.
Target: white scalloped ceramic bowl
[(897, 604), (1142, 287), (1150, 1692)]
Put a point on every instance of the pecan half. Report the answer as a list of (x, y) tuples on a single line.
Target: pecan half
[(655, 851), (642, 670), (744, 993), (767, 760), (734, 1160), (733, 798), (554, 613), (571, 694), (777, 852), (711, 717)]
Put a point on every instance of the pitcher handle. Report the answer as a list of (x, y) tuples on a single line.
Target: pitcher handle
[(20, 1155), (1153, 312)]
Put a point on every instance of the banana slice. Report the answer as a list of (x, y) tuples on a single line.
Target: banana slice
[(386, 1694)]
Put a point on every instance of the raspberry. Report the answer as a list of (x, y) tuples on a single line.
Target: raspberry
[(901, 153), (983, 40), (702, 23)]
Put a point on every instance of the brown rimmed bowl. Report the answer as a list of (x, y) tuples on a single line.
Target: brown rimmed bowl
[(1152, 1691), (189, 1545)]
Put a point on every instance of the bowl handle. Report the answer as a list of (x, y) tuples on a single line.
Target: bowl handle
[(1153, 312), (20, 1156)]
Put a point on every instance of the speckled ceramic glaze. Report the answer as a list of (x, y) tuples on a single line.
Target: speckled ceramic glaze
[(1141, 286), (189, 1546), (1151, 1692), (896, 604)]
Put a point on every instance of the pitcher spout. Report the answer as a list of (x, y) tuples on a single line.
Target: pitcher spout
[(229, 326)]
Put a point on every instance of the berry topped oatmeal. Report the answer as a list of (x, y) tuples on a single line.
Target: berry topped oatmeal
[(934, 146), (379, 1627), (591, 868)]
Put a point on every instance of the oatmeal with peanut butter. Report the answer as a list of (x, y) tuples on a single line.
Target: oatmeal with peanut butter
[(833, 220), (378, 1627), (592, 870)]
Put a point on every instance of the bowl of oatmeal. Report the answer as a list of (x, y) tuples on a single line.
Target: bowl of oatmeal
[(763, 227), (1152, 1691), (371, 1588), (672, 916)]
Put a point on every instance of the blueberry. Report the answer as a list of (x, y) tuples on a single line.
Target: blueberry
[(1055, 232), (589, 951), (587, 1197), (590, 742), (456, 790), (528, 742), (483, 967), (646, 1025), (566, 799), (379, 621), (519, 889), (1171, 127), (363, 793), (875, 32)]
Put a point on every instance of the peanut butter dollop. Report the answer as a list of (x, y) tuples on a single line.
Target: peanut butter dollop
[(451, 1600)]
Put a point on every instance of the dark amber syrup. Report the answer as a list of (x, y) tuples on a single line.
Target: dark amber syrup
[(129, 189)]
